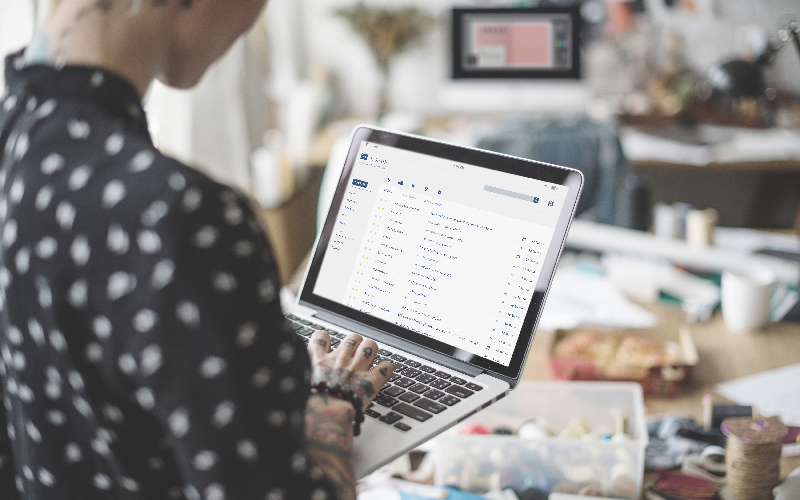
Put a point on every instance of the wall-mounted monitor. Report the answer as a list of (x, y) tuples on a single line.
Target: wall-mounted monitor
[(516, 43)]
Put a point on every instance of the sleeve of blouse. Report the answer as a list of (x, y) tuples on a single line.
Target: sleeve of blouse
[(214, 361)]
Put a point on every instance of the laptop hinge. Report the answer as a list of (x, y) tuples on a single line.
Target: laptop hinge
[(384, 338)]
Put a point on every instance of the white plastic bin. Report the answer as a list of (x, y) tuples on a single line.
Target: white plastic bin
[(609, 467)]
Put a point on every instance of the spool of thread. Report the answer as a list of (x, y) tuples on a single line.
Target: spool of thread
[(700, 227), (753, 456)]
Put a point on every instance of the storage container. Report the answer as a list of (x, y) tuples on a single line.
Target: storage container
[(601, 463)]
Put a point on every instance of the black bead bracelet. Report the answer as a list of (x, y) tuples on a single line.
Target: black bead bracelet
[(340, 392)]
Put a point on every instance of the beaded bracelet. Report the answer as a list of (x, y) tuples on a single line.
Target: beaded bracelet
[(337, 391)]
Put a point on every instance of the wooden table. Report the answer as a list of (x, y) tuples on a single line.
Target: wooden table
[(723, 356)]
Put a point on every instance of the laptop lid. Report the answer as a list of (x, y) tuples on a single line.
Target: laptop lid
[(449, 248)]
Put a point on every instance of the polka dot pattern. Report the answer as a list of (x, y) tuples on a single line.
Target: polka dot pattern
[(140, 313)]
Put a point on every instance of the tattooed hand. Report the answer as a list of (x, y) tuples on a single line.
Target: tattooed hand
[(329, 421), (348, 365)]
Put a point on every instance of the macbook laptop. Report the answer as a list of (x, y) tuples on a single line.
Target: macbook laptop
[(443, 255)]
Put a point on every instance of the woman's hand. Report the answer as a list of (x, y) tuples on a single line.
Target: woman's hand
[(348, 365), (329, 420)]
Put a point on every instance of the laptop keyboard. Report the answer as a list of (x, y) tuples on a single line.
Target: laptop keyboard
[(414, 391)]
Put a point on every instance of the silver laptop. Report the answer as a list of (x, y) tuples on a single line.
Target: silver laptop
[(443, 255)]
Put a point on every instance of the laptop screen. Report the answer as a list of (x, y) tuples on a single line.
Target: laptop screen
[(449, 250)]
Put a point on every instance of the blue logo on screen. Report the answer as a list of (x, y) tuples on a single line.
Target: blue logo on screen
[(359, 183), (364, 156)]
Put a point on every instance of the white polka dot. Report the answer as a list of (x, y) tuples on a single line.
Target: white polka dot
[(100, 447), (212, 366), (224, 282), (246, 336), (27, 472), (120, 284), (36, 332), (17, 191), (79, 177), (65, 215), (18, 361), (115, 143), (76, 380), (9, 233), (192, 199), (130, 484), (23, 260), (43, 198), (113, 413), (127, 364), (78, 129), (117, 239), (52, 163), (47, 108), (204, 460), (101, 327), (179, 423), (10, 103), (56, 417), (58, 341), (21, 145), (315, 473), (276, 418), (298, 462), (275, 494), (52, 390), (243, 249), (145, 320), (101, 482), (113, 193), (31, 104), (45, 295), (25, 393), (233, 215), (33, 432), (286, 353), (80, 250), (151, 359), (46, 247), (3, 207), (288, 384), (149, 241), (14, 335), (191, 493), (94, 352), (188, 313), (97, 79), (261, 377), (154, 213), (176, 181), (319, 494), (72, 453), (247, 450), (215, 492), (142, 161), (223, 414), (267, 290), (206, 237), (145, 398), (78, 294), (162, 274)]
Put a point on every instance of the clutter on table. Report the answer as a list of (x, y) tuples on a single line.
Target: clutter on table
[(661, 367), (580, 438)]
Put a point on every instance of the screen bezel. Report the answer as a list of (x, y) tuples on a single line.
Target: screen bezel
[(493, 161), (459, 71)]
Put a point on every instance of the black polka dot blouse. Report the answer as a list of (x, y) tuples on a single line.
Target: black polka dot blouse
[(143, 350)]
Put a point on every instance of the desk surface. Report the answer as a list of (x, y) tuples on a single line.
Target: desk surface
[(723, 356)]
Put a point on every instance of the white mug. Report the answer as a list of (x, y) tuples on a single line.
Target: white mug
[(746, 299)]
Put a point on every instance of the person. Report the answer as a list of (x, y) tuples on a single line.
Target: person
[(144, 352)]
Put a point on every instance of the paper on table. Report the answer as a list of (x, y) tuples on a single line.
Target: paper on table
[(774, 392), (582, 298)]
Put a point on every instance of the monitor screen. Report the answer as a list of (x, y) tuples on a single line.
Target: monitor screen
[(516, 43)]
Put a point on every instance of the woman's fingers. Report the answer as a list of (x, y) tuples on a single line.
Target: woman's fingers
[(319, 344), (365, 355), (347, 349)]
